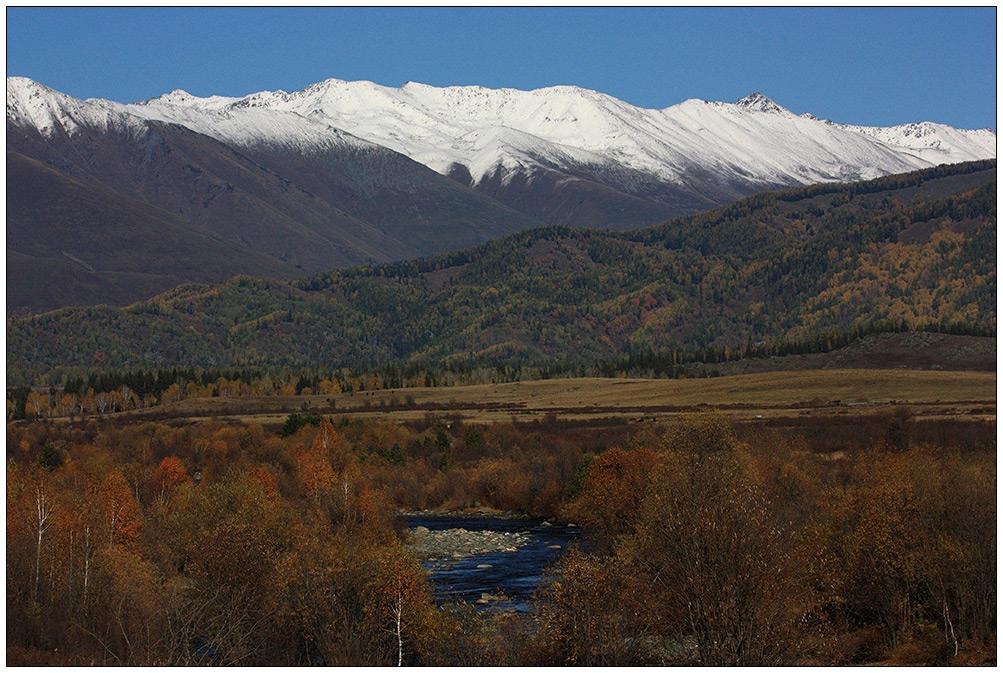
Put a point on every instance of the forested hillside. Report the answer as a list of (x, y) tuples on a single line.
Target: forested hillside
[(915, 250)]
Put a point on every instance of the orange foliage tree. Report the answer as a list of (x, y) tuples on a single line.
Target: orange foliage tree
[(617, 481)]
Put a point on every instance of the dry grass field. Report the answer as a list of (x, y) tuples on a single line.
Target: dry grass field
[(769, 395)]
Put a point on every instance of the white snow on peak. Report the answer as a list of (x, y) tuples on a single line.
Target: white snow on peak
[(33, 105), (253, 120), (753, 139), (935, 143), (180, 97), (760, 103)]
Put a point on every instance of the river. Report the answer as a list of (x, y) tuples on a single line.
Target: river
[(513, 575)]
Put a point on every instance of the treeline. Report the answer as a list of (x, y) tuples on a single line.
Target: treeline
[(671, 363), (813, 201), (888, 182), (111, 391), (155, 382)]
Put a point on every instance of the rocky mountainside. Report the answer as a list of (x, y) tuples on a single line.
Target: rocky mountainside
[(65, 243)]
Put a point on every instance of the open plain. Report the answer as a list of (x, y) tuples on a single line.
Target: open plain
[(770, 395)]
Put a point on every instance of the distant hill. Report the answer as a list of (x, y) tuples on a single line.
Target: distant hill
[(912, 249)]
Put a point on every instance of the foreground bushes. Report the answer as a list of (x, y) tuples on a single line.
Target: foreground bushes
[(220, 543), (246, 551), (725, 555)]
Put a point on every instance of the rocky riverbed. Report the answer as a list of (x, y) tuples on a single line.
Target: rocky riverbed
[(466, 514), (495, 562), (460, 543)]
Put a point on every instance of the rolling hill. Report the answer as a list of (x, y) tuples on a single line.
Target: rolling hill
[(912, 249)]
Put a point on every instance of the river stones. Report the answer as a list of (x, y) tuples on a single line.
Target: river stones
[(458, 543)]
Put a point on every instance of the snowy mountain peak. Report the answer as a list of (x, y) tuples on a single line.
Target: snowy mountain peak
[(759, 103), (24, 94), (34, 105), (176, 97), (21, 84)]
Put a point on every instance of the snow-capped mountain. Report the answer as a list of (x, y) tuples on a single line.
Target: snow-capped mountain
[(488, 130), (353, 172), (295, 188), (705, 149)]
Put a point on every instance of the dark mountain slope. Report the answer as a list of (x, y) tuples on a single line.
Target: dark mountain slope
[(69, 243), (609, 196), (783, 265), (423, 211), (214, 186)]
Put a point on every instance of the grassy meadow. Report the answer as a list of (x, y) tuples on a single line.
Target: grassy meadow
[(744, 396)]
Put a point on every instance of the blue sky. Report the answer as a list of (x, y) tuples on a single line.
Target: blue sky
[(878, 66)]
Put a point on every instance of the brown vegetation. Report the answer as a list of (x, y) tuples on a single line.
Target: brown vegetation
[(764, 553), (707, 542), (215, 544)]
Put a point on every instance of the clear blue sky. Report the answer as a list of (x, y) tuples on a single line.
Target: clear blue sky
[(878, 66)]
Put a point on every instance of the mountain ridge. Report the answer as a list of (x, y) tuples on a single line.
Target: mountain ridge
[(549, 113), (566, 116)]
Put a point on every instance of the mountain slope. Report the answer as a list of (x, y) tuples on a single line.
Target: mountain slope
[(916, 248), (115, 250)]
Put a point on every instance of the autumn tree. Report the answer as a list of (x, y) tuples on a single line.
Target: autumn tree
[(122, 514), (723, 571), (595, 611), (616, 483), (127, 617), (170, 474)]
